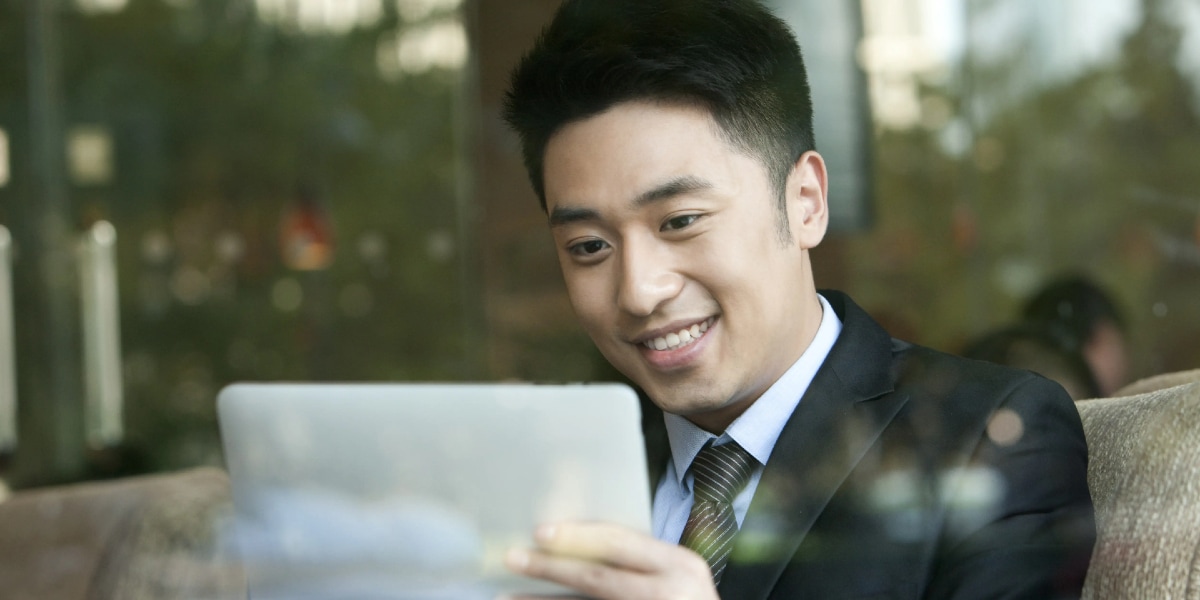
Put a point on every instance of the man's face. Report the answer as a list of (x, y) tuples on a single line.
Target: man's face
[(670, 244)]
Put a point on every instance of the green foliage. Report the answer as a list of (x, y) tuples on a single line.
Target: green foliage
[(1094, 174), (223, 125)]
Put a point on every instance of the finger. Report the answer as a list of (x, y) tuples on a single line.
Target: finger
[(611, 544), (594, 579)]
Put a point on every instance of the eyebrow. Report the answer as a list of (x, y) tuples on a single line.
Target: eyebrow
[(671, 189), (562, 216)]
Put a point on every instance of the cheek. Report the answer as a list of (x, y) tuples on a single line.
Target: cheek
[(588, 298), (731, 264)]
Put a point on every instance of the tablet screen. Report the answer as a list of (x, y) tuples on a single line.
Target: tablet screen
[(417, 490)]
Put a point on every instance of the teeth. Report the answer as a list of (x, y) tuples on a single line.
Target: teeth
[(678, 339)]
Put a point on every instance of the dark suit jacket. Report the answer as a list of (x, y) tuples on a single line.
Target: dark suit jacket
[(909, 473)]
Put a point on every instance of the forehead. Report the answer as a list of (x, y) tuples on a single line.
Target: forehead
[(624, 122), (632, 147)]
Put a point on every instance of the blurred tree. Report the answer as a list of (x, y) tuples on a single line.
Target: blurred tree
[(219, 118), (1092, 172)]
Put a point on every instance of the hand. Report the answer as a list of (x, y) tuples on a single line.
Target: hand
[(610, 562)]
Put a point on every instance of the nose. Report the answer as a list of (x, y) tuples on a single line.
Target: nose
[(648, 277)]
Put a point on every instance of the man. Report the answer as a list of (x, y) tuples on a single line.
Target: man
[(1086, 320), (670, 144)]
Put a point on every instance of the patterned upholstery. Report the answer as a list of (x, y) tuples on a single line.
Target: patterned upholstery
[(1158, 382), (1144, 474), (153, 537)]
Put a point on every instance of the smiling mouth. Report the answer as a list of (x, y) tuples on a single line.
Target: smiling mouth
[(681, 338)]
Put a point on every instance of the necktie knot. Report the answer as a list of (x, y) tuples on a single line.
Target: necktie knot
[(721, 472)]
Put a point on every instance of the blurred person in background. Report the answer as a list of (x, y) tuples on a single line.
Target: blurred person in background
[(808, 453), (1087, 321), (1033, 348)]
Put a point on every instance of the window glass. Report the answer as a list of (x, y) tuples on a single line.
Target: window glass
[(1017, 141), (286, 185)]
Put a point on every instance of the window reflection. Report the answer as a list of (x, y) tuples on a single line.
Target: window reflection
[(415, 10), (5, 168), (90, 155), (320, 16), (1032, 141), (283, 209), (1014, 140), (441, 45), (101, 6), (287, 295)]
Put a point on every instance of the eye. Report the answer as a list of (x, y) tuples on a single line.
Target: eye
[(679, 222), (587, 248)]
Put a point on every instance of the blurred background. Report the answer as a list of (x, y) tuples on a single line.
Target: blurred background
[(196, 192)]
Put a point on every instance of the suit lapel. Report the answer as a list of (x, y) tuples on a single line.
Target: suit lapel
[(841, 415), (658, 449)]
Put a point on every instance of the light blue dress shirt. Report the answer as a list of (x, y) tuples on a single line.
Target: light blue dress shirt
[(756, 430)]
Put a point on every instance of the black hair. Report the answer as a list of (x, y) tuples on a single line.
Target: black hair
[(731, 57), (1074, 306), (1039, 349)]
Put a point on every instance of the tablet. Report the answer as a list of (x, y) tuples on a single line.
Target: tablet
[(417, 490)]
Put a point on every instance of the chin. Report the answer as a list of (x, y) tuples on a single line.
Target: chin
[(685, 404)]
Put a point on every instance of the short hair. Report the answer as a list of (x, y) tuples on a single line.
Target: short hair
[(1075, 306), (731, 57), (1038, 349)]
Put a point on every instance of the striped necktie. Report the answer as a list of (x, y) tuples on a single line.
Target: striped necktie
[(720, 473)]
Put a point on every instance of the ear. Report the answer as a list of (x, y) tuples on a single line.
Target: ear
[(807, 193)]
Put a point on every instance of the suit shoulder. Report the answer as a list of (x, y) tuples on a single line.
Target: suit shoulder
[(929, 375)]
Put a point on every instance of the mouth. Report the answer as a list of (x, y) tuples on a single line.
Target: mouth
[(678, 339)]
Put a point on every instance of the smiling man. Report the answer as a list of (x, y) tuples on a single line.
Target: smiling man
[(676, 260), (670, 144)]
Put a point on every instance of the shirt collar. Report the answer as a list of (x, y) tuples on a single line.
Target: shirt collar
[(757, 429)]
